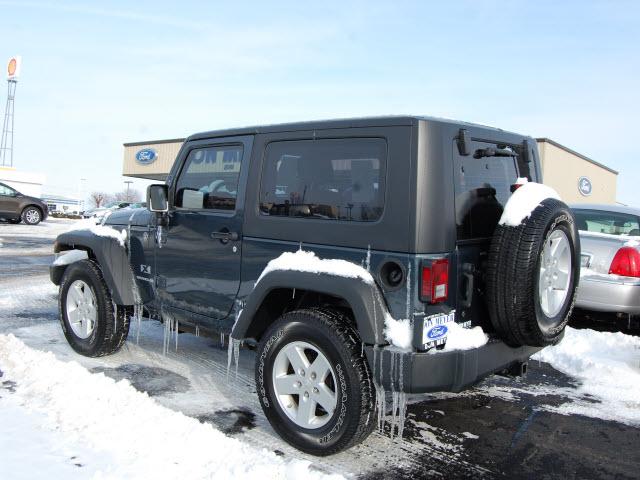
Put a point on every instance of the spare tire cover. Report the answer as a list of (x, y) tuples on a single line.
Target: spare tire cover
[(532, 275)]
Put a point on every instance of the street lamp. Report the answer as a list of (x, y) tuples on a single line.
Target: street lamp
[(128, 182)]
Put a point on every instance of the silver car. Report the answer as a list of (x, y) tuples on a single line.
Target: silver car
[(610, 245)]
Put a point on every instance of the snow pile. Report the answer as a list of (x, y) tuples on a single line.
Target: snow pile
[(143, 438), (608, 367), (304, 261), (460, 338), (398, 332), (100, 230), (69, 257), (524, 201)]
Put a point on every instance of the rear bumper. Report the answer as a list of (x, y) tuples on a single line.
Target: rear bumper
[(604, 293), (422, 372)]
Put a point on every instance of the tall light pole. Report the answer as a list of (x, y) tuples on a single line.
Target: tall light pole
[(128, 182), (6, 143)]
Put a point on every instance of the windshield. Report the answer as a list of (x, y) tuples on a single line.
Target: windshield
[(612, 223)]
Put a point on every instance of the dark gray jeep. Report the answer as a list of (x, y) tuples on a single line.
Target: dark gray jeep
[(358, 257)]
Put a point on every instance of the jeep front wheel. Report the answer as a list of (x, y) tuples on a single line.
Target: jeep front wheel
[(91, 323), (314, 383)]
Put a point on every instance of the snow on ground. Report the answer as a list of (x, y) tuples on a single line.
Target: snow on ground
[(142, 438), (608, 367)]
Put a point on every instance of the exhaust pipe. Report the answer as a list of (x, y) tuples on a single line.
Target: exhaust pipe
[(516, 369)]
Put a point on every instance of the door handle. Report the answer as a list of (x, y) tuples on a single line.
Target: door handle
[(224, 236)]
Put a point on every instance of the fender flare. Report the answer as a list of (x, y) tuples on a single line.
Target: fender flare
[(364, 298), (110, 255)]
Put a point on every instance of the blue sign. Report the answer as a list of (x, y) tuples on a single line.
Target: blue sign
[(584, 186), (146, 156), (437, 332)]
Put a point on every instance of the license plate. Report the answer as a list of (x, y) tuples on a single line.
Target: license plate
[(436, 328)]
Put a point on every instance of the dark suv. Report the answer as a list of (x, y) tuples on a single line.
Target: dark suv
[(16, 207), (358, 257)]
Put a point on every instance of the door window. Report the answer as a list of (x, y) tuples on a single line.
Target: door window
[(209, 178), (4, 190)]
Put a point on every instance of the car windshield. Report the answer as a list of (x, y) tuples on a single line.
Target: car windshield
[(612, 223)]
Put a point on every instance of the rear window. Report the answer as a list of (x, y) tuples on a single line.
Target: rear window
[(342, 179), (607, 222), (482, 187)]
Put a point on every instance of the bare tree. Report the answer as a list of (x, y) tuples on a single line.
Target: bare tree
[(128, 196), (99, 198)]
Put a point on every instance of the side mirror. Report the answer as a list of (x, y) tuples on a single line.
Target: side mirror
[(158, 198)]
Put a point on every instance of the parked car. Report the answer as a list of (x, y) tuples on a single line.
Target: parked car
[(349, 253), (16, 207), (100, 212), (610, 259)]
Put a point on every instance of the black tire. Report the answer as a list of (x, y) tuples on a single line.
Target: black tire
[(31, 215), (330, 332), (111, 328), (513, 276)]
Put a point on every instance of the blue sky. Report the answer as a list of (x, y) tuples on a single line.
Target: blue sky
[(97, 74)]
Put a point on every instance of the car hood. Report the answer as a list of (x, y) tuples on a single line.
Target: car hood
[(129, 216)]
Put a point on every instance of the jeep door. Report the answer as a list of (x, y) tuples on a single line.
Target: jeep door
[(199, 256)]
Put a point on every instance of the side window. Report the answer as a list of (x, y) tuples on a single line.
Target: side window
[(209, 178), (482, 187), (342, 179), (4, 190)]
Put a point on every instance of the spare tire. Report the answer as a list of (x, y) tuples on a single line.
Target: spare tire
[(532, 276)]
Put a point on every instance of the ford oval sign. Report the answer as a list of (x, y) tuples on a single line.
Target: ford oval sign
[(437, 332), (146, 156), (584, 186)]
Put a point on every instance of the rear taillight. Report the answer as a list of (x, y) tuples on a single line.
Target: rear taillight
[(626, 262), (435, 280)]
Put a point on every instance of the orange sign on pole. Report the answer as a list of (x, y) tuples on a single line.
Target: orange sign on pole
[(13, 67)]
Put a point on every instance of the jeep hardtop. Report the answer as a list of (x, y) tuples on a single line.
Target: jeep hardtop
[(348, 253)]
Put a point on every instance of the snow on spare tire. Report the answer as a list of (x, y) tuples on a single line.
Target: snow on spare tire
[(533, 268)]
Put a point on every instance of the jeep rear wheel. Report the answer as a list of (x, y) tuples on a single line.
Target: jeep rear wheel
[(314, 383), (90, 322), (533, 274)]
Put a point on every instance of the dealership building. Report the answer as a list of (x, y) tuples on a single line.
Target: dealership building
[(576, 177)]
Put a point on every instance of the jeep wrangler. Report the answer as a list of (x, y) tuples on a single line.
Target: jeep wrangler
[(316, 243)]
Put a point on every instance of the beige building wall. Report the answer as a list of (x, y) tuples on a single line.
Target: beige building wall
[(166, 151), (562, 169)]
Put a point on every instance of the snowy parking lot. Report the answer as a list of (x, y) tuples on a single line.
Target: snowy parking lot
[(141, 413)]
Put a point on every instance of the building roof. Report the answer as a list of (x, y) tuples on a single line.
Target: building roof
[(573, 152)]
